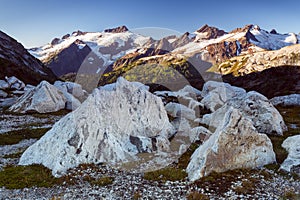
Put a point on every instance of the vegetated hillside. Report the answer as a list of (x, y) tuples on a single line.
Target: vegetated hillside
[(172, 73), (16, 61), (271, 73), (259, 61), (276, 81)]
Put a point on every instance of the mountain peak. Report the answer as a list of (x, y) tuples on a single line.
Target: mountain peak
[(212, 32), (244, 29), (119, 29), (78, 32)]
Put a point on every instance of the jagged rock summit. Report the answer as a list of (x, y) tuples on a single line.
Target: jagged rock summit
[(210, 32), (119, 29), (114, 124)]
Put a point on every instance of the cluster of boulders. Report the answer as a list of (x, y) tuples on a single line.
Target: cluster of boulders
[(118, 121), (10, 83), (44, 98), (114, 124), (10, 89), (233, 133)]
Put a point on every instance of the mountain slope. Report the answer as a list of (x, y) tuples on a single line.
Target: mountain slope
[(275, 81), (259, 61), (16, 61)]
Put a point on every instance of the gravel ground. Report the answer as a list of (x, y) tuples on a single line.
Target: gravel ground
[(10, 122), (128, 185)]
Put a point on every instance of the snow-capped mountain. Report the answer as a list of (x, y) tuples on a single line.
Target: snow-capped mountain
[(210, 44), (115, 51), (220, 45), (16, 61), (88, 50)]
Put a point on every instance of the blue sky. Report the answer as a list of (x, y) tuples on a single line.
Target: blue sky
[(36, 22)]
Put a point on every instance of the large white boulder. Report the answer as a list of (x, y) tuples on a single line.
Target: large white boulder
[(72, 88), (254, 106), (292, 145), (216, 94), (235, 144), (288, 100), (44, 98), (111, 126), (72, 102)]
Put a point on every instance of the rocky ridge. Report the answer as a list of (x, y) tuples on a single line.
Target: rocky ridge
[(16, 61)]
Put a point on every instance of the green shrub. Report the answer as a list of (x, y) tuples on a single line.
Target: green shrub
[(14, 137), (166, 174), (16, 177), (14, 155)]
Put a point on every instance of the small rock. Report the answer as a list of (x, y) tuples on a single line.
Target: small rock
[(3, 94), (179, 110), (3, 85), (291, 144)]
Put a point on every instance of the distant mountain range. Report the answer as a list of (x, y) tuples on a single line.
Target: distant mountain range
[(98, 50), (98, 58)]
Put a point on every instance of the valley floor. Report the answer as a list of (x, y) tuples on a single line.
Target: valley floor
[(103, 182)]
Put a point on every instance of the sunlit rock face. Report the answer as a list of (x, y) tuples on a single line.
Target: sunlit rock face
[(114, 124), (219, 97), (44, 98), (235, 144)]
